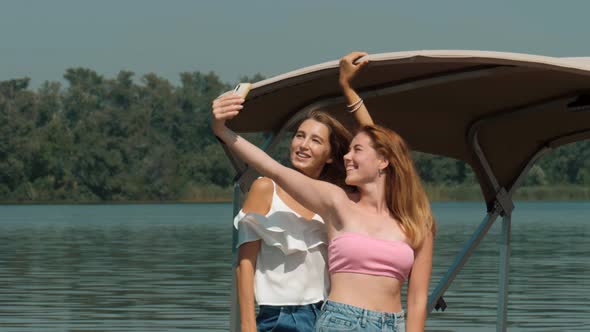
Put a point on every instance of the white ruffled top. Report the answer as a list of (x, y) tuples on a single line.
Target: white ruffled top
[(291, 268)]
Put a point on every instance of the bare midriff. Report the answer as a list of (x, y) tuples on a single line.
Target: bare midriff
[(377, 293)]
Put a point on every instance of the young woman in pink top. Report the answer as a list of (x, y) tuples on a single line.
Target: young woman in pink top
[(379, 236)]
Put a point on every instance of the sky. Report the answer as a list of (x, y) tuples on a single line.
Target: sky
[(40, 39)]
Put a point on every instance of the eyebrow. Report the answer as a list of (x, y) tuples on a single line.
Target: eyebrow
[(312, 135), (318, 137)]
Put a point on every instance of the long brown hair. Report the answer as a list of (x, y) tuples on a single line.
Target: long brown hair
[(340, 138), (405, 196)]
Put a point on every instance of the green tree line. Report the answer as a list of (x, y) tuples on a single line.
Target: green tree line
[(100, 139)]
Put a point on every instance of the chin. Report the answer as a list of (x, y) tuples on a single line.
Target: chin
[(298, 165), (302, 167), (350, 181)]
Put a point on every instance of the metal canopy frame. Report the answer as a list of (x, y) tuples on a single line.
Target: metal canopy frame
[(502, 204)]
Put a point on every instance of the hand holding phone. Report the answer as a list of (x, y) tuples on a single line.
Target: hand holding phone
[(242, 89)]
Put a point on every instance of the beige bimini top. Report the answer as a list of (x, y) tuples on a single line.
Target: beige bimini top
[(443, 102)]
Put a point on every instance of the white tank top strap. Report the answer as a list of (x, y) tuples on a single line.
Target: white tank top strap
[(274, 188), (277, 203)]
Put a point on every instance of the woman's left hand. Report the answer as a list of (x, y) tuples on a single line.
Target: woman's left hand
[(349, 69), (225, 107)]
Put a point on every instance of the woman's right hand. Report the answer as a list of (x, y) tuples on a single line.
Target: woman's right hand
[(350, 65), (349, 69), (225, 107)]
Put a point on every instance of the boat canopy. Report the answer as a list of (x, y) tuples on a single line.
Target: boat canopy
[(442, 102)]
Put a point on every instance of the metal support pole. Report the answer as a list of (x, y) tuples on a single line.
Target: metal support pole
[(462, 258), (504, 271), (234, 322)]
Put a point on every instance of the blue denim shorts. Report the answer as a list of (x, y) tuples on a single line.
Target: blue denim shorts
[(343, 317), (296, 318)]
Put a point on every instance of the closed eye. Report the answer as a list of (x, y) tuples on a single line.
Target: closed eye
[(357, 147)]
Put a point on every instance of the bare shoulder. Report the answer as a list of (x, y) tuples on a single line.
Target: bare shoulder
[(260, 196), (262, 185)]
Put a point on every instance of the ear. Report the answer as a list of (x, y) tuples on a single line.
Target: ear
[(331, 158), (383, 163)]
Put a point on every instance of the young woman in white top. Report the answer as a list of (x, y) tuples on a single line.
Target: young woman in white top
[(282, 244), (379, 236)]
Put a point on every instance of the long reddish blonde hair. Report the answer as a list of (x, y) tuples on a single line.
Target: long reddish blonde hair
[(406, 198)]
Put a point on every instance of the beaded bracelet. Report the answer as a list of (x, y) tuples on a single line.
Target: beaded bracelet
[(355, 103), (357, 106)]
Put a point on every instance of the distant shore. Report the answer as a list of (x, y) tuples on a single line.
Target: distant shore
[(530, 193), (436, 193), (442, 193)]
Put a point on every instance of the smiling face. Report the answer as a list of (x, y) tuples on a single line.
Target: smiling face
[(310, 148), (362, 161)]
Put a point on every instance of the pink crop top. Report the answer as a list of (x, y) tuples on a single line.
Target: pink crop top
[(359, 253)]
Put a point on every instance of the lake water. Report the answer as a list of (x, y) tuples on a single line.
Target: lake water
[(168, 267)]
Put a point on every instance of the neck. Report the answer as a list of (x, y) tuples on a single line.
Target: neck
[(373, 198)]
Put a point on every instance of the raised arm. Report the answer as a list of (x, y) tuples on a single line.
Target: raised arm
[(418, 286), (350, 65), (318, 196)]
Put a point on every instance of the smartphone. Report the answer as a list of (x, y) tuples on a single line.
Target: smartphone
[(242, 89)]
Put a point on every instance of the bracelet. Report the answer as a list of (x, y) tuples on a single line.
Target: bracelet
[(357, 107), (355, 103)]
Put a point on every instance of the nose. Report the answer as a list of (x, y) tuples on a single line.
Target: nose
[(346, 157), (304, 144)]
